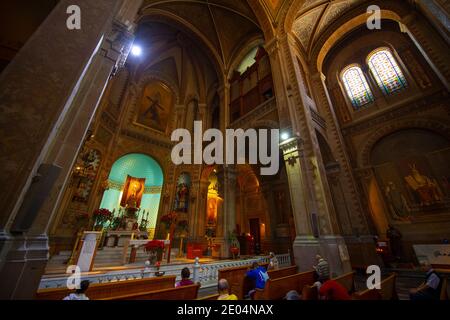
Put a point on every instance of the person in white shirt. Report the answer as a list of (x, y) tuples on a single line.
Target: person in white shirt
[(79, 294), (273, 262)]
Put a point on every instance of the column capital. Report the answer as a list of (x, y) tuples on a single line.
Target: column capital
[(291, 145)]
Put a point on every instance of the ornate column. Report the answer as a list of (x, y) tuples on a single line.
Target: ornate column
[(55, 113), (315, 221)]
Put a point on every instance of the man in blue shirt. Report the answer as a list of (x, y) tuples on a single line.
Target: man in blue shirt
[(430, 289), (259, 275)]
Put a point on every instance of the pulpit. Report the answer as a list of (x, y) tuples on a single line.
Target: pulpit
[(88, 250)]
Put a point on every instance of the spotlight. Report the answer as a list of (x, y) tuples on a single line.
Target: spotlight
[(136, 51), (284, 136)]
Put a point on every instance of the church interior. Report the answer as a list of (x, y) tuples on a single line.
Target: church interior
[(90, 96)]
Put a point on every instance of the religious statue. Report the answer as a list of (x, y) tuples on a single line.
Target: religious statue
[(182, 198), (396, 201), (425, 188), (212, 211)]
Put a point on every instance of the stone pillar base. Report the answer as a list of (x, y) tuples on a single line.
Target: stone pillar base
[(331, 248), (23, 263)]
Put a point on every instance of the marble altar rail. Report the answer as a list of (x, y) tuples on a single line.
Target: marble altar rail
[(205, 273)]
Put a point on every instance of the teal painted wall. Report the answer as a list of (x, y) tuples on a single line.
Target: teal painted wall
[(139, 166)]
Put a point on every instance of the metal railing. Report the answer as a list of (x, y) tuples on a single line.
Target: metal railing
[(206, 274)]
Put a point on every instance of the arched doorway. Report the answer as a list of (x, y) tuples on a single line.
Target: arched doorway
[(130, 173)]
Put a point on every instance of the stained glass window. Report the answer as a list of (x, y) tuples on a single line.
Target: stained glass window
[(357, 87), (386, 71)]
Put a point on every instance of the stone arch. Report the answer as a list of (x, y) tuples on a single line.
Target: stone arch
[(428, 124), (390, 10)]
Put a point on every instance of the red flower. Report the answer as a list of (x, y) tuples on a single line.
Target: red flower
[(104, 213), (154, 245)]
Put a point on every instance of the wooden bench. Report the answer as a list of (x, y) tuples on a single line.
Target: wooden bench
[(444, 290), (282, 272), (347, 280), (387, 291), (276, 289), (180, 293), (111, 289), (210, 297), (310, 293), (239, 284)]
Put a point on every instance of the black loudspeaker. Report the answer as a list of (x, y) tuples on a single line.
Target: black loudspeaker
[(39, 190), (315, 225)]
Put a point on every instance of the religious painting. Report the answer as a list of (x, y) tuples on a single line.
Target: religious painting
[(182, 193), (422, 186), (155, 106), (412, 172), (411, 187), (85, 172), (133, 192)]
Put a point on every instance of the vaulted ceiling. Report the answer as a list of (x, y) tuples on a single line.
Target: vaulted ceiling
[(315, 16), (225, 26)]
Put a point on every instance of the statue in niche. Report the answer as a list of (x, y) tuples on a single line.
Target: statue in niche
[(182, 198), (212, 211), (426, 189), (397, 202)]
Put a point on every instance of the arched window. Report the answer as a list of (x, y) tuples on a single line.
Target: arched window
[(386, 71), (356, 86)]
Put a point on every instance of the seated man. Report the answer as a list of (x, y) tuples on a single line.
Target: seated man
[(333, 290), (79, 293), (322, 268), (224, 291), (259, 275), (430, 289), (185, 281)]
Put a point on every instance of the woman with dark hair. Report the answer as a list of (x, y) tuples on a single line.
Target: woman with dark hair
[(185, 281), (80, 292)]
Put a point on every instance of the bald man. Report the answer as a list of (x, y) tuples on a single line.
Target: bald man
[(224, 291)]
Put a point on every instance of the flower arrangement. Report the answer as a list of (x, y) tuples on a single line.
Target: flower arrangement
[(168, 219), (155, 248), (154, 245), (101, 216)]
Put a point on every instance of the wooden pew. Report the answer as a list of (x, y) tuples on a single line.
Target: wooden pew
[(111, 289), (386, 292), (310, 293), (347, 280), (210, 297), (444, 292), (180, 293), (276, 289), (368, 294), (282, 272), (239, 284)]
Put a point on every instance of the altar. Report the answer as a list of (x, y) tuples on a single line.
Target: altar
[(119, 238), (135, 245)]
